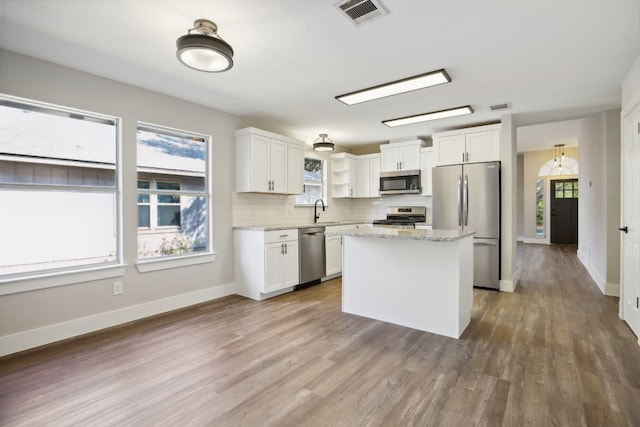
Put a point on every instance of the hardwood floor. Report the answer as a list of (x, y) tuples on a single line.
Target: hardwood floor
[(552, 353)]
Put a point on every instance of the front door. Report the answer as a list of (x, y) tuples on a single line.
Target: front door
[(564, 211), (630, 227)]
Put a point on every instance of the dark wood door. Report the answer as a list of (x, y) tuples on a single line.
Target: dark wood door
[(564, 211)]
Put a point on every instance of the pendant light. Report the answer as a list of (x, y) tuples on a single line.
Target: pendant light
[(558, 152), (323, 143), (205, 51)]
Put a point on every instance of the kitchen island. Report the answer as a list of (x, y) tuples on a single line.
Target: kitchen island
[(422, 279)]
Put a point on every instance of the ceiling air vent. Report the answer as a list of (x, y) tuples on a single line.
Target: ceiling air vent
[(359, 12), (497, 107)]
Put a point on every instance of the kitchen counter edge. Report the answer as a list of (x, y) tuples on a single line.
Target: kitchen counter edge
[(296, 226), (406, 234)]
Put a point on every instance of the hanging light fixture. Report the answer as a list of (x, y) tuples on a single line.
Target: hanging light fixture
[(558, 152), (323, 143), (205, 51)]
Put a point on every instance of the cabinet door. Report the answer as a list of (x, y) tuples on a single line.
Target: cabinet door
[(483, 146), (361, 185), (426, 164), (278, 166), (390, 158), (410, 158), (259, 165), (274, 253), (374, 177), (295, 169), (333, 245), (449, 150), (290, 264)]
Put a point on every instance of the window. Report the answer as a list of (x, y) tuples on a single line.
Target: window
[(173, 192), (314, 182), (566, 190), (59, 181)]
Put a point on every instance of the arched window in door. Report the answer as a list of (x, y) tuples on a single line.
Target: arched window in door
[(550, 169)]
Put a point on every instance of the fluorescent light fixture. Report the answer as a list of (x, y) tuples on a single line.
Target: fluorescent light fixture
[(435, 115), (409, 84)]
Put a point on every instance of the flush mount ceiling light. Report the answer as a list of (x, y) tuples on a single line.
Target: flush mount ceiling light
[(435, 115), (409, 84), (205, 51), (323, 143)]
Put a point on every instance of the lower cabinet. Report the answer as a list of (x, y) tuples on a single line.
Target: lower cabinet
[(333, 245), (266, 262)]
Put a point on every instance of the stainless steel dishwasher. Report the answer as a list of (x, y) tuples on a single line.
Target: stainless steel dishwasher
[(312, 254)]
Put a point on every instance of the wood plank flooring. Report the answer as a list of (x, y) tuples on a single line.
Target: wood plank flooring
[(552, 353)]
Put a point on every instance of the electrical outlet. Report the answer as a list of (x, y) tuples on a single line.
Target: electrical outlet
[(118, 288)]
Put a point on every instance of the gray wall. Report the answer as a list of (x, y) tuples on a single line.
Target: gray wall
[(31, 78)]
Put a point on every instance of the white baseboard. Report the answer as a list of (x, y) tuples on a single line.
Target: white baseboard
[(507, 286), (51, 333), (611, 289), (519, 238)]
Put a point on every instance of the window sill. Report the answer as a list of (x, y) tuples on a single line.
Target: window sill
[(157, 264), (37, 281)]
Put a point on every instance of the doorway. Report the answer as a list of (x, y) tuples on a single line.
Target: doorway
[(564, 211)]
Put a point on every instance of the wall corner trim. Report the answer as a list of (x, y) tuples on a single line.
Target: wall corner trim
[(59, 331)]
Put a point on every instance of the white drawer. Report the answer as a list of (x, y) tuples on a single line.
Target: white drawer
[(280, 235)]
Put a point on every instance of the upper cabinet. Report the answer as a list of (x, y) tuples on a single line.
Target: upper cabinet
[(400, 156), (367, 176), (268, 163), (343, 174), (355, 176), (471, 145), (426, 164)]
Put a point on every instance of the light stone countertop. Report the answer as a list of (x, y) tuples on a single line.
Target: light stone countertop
[(404, 233), (297, 226)]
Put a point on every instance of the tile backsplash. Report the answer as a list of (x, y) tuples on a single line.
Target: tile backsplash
[(278, 209)]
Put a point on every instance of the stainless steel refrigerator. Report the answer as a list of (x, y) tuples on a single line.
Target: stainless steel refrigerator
[(467, 197)]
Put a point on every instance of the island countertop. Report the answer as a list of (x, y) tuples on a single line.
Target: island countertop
[(404, 233)]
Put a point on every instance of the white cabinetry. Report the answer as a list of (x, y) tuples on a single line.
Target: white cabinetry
[(471, 145), (399, 156), (343, 174), (355, 176), (268, 163), (266, 262), (367, 176), (295, 168), (426, 164), (333, 248)]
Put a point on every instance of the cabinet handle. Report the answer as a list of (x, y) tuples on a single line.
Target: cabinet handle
[(282, 248), (283, 236), (463, 157), (286, 249)]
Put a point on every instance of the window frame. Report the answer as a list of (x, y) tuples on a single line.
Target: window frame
[(60, 276), (178, 260), (323, 184)]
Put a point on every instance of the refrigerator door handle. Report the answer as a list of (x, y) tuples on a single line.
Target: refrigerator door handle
[(465, 195), (458, 191)]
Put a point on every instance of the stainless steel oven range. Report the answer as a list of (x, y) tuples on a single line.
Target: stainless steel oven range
[(402, 217)]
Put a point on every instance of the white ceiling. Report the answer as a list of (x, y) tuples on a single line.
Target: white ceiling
[(548, 59)]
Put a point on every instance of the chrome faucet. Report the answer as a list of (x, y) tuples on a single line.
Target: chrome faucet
[(316, 216)]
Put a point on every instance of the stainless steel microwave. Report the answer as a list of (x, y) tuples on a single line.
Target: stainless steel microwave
[(400, 182)]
